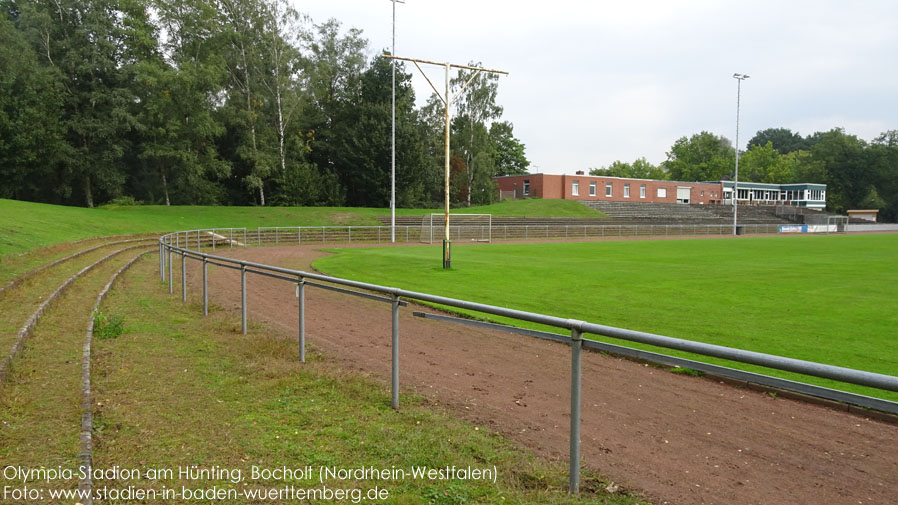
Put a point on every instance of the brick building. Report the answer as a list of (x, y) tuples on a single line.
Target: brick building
[(619, 189)]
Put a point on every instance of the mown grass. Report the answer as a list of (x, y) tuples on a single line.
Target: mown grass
[(25, 225), (829, 299), (177, 389)]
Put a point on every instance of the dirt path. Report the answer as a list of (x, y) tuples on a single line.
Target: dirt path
[(676, 439)]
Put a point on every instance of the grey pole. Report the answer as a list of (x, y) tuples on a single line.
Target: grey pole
[(739, 78), (301, 294), (161, 262), (243, 298), (395, 349), (393, 134), (205, 287), (183, 277), (171, 285), (576, 374)]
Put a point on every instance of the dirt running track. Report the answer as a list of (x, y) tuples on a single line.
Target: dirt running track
[(672, 438)]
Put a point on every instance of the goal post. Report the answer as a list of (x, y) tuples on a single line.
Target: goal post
[(472, 227)]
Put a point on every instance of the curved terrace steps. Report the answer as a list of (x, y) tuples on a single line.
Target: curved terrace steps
[(44, 381), (681, 213)]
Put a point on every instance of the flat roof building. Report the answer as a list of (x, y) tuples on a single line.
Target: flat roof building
[(620, 189)]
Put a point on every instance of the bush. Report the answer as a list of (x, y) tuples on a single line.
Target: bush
[(125, 201), (108, 326)]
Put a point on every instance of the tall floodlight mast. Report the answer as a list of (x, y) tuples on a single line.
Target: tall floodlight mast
[(447, 101), (393, 136), (739, 78)]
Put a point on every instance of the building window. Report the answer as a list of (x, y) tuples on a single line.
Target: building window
[(575, 188), (608, 189), (592, 188), (526, 187), (662, 192), (703, 193), (642, 191), (626, 191)]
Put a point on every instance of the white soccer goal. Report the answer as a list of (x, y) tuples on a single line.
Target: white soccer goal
[(473, 227)]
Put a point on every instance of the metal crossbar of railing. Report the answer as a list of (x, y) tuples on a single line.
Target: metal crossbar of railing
[(178, 243), (321, 235)]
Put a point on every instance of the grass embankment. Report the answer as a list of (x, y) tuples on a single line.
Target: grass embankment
[(25, 225), (827, 299), (177, 390)]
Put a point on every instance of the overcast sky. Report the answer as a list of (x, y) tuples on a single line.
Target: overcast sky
[(591, 82)]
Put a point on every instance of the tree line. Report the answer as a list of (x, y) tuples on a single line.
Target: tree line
[(234, 102), (858, 174)]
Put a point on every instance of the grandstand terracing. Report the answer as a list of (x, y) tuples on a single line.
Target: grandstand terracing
[(623, 219)]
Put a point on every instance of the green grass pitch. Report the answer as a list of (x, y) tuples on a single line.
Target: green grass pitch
[(830, 299)]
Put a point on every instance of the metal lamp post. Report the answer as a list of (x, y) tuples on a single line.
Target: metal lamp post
[(393, 135), (739, 78)]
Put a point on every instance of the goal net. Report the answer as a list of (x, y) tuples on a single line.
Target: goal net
[(473, 227)]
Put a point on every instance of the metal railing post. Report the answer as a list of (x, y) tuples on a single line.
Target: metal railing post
[(183, 277), (243, 298), (205, 287), (161, 264), (301, 295), (214, 237), (244, 238), (277, 236), (576, 374), (171, 282), (395, 349)]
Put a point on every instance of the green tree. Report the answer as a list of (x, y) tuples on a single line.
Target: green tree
[(31, 130), (336, 62), (639, 169), (849, 176), (243, 24), (508, 152), (782, 139), (702, 157), (363, 148), (284, 30), (93, 46), (476, 107), (883, 157), (178, 90), (764, 164)]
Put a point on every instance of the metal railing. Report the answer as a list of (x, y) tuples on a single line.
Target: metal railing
[(178, 243), (321, 235)]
